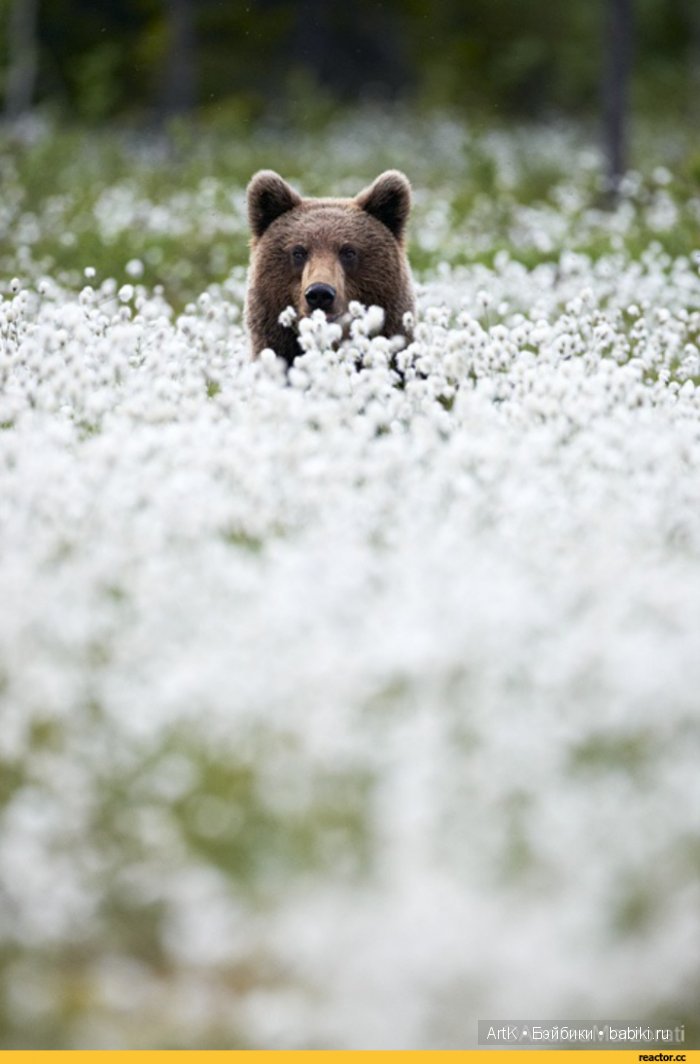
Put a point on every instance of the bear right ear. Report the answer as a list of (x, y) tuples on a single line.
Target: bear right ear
[(268, 197)]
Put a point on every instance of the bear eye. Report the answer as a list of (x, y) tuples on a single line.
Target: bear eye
[(348, 255), (299, 255)]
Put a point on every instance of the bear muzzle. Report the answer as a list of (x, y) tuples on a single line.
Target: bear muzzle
[(321, 296)]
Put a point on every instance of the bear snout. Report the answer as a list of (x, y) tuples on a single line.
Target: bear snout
[(320, 297)]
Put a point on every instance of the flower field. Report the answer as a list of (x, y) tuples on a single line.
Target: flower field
[(343, 708)]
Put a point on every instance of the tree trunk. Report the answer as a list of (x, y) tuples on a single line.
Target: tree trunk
[(179, 82), (617, 49), (693, 15), (23, 53)]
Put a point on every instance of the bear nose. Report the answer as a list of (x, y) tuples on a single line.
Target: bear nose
[(320, 296)]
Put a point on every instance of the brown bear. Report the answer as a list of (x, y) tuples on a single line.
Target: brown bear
[(320, 254)]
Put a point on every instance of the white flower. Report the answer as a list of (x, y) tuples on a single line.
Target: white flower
[(287, 317), (134, 268), (321, 661)]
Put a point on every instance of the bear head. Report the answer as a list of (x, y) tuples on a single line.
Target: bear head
[(320, 254)]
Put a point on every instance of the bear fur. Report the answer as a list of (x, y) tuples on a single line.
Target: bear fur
[(320, 254)]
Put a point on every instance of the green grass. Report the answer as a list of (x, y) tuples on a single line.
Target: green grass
[(53, 186)]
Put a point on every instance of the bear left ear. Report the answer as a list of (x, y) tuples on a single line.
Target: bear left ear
[(388, 199), (268, 197)]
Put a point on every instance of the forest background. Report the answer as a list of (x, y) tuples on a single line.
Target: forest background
[(146, 60)]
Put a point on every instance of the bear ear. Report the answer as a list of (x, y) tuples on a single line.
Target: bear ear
[(388, 199), (268, 197)]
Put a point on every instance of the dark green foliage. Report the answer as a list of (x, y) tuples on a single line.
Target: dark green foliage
[(107, 58)]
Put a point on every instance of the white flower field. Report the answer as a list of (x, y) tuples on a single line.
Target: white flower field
[(345, 707)]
